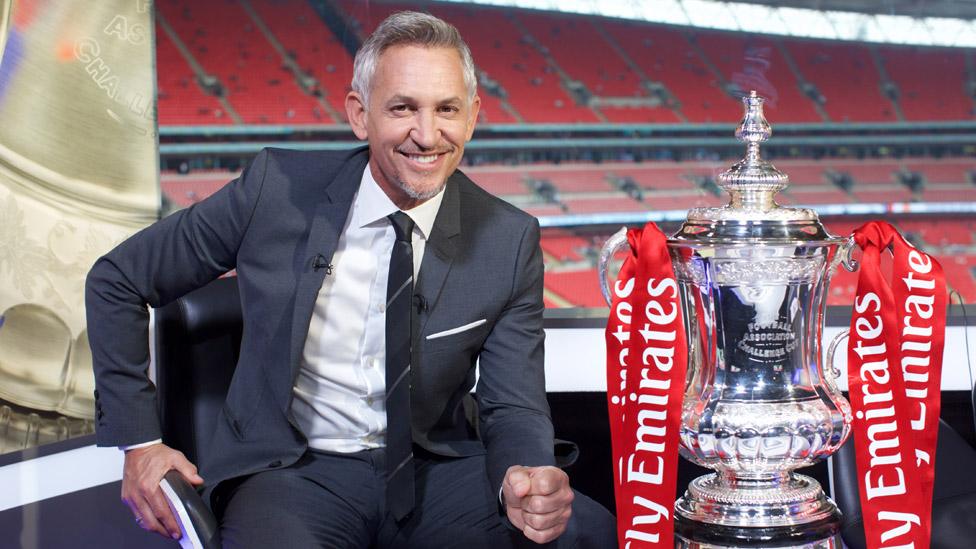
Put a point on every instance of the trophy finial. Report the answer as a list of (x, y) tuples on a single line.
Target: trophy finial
[(753, 128), (753, 182)]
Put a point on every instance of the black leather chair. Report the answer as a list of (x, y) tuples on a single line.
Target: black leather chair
[(953, 501), (198, 339)]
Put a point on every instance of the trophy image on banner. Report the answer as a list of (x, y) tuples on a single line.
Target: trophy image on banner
[(79, 172), (714, 353)]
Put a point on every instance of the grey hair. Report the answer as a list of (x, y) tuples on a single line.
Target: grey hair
[(414, 29)]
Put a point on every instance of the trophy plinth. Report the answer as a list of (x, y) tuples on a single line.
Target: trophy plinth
[(784, 500)]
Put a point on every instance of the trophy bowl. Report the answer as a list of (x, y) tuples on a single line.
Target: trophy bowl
[(759, 401)]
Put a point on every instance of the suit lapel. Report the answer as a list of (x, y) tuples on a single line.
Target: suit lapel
[(441, 248), (323, 238)]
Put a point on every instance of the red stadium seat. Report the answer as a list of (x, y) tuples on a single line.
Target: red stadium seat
[(846, 76)]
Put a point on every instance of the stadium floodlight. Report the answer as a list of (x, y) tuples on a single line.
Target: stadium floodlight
[(738, 16)]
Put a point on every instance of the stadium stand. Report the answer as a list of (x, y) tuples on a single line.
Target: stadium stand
[(563, 246), (186, 190), (181, 101), (596, 66), (945, 170), (317, 52), (758, 64), (929, 81), (667, 57), (847, 78), (289, 62), (283, 64), (504, 55), (244, 65)]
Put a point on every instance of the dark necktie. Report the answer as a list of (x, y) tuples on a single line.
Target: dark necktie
[(399, 441)]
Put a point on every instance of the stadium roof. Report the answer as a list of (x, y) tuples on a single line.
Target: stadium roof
[(928, 23), (955, 9)]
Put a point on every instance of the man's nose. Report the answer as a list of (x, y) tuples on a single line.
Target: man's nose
[(426, 131)]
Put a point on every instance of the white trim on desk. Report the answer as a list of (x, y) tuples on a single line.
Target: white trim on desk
[(53, 475)]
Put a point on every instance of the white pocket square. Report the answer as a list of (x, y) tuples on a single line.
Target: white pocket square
[(457, 330)]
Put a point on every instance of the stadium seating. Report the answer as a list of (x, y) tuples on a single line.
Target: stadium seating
[(936, 233), (181, 101), (846, 76), (186, 190), (945, 170), (666, 56), (563, 246), (585, 55), (500, 50), (578, 287), (575, 178), (529, 63), (500, 180), (531, 59), (755, 63), (228, 45), (316, 49), (929, 81)]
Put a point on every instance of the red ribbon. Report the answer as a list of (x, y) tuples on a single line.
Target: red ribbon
[(646, 363), (894, 371)]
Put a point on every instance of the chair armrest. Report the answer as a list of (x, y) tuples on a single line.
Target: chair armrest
[(197, 523)]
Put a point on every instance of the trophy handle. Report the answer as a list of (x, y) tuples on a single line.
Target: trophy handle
[(847, 254), (610, 247), (833, 370)]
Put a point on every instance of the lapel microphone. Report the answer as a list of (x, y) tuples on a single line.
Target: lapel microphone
[(320, 263), (420, 302)]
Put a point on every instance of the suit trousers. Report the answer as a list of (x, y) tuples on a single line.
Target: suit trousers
[(331, 500)]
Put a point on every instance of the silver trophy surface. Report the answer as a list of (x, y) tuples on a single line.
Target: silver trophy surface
[(759, 402)]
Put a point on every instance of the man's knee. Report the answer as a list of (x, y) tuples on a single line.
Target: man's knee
[(284, 509)]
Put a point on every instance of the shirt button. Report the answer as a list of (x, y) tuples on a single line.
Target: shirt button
[(369, 401), (381, 307)]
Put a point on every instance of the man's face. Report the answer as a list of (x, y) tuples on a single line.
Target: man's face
[(417, 121)]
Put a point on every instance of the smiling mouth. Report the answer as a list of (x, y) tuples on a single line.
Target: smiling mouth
[(422, 158)]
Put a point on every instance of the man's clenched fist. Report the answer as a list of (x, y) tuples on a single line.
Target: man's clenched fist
[(538, 501)]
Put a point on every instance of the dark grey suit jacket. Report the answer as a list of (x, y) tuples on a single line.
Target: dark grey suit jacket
[(482, 261)]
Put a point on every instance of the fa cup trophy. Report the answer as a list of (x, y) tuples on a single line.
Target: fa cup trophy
[(759, 401)]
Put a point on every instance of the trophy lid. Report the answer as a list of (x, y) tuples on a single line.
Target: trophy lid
[(752, 183)]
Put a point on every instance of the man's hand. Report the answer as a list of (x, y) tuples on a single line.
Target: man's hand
[(538, 501), (144, 468)]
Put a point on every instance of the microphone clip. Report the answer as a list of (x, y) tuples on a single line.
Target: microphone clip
[(320, 263), (420, 302)]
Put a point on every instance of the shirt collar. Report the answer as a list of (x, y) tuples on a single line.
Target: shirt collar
[(372, 205)]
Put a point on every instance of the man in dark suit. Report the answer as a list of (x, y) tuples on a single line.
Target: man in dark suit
[(329, 438)]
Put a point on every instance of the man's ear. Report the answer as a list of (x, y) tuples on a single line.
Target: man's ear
[(356, 112), (473, 116)]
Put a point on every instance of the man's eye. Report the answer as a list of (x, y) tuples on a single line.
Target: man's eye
[(449, 109), (399, 108)]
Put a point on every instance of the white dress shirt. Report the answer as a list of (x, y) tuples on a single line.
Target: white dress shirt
[(341, 385)]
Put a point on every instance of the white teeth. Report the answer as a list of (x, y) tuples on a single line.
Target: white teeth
[(423, 159)]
